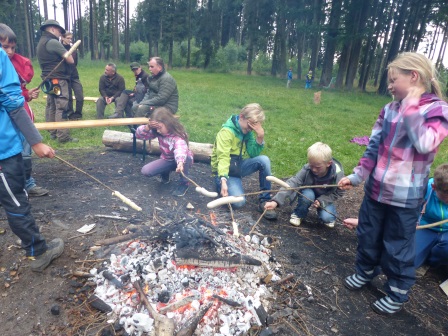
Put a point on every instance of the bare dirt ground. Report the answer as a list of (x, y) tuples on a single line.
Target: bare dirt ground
[(317, 256)]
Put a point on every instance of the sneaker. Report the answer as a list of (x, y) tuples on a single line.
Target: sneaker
[(69, 140), (180, 190), (330, 225), (37, 191), (386, 306), (294, 220), (54, 250), (269, 214), (355, 282), (164, 179)]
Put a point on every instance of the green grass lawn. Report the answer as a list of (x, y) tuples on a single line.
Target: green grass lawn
[(293, 121)]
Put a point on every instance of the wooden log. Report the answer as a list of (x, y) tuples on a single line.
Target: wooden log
[(122, 141), (90, 123)]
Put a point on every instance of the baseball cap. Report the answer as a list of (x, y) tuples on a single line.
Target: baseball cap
[(135, 65)]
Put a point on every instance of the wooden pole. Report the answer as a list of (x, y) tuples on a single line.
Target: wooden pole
[(90, 123)]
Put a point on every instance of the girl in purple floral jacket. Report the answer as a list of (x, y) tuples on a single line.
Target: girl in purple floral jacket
[(173, 144)]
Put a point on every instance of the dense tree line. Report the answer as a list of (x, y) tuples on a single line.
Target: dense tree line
[(350, 40)]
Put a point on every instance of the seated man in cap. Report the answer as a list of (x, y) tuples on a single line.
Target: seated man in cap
[(128, 97), (111, 86), (54, 60)]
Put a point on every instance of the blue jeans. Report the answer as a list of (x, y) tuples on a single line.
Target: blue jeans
[(260, 164), (164, 167), (431, 247), (27, 163), (303, 205)]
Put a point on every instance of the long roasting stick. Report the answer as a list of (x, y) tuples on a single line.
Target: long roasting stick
[(420, 227), (114, 192)]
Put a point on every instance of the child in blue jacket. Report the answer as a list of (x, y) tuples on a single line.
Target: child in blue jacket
[(14, 124)]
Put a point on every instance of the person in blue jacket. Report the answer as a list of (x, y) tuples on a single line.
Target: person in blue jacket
[(14, 125), (431, 244), (289, 75)]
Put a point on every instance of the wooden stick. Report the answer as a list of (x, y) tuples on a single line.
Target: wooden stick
[(258, 221), (420, 227), (116, 240), (90, 123), (164, 326)]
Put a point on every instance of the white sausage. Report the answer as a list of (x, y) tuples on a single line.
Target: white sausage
[(278, 181), (224, 200), (207, 193)]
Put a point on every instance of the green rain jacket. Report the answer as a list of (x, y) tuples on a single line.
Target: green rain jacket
[(228, 141)]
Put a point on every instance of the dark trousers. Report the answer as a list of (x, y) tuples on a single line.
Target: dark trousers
[(386, 238), (17, 207), (77, 89)]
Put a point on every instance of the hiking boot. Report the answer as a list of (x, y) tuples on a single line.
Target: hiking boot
[(69, 140), (116, 115), (330, 224), (164, 179), (294, 220), (37, 191), (180, 190), (54, 250), (269, 214), (386, 306)]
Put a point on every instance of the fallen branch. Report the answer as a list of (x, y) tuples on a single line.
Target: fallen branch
[(112, 217)]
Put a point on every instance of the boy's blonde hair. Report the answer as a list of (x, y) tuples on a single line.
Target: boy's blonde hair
[(412, 61), (441, 177), (320, 152), (253, 112)]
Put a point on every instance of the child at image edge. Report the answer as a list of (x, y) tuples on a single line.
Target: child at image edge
[(321, 169), (173, 144), (395, 166)]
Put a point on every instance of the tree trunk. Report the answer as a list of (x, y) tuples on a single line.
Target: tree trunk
[(45, 10), (315, 37), (189, 34), (80, 30), (115, 33), (331, 41), (27, 29), (395, 44), (127, 41)]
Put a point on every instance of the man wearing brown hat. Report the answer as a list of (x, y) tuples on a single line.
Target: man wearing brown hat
[(128, 97), (50, 52)]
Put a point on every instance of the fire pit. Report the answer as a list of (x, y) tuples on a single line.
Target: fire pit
[(197, 277)]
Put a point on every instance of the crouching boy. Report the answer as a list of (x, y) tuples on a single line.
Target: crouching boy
[(321, 169)]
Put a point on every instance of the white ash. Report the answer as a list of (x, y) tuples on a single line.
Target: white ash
[(154, 263)]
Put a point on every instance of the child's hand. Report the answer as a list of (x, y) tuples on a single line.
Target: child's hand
[(42, 150), (257, 128), (415, 92), (351, 223), (224, 189), (345, 184), (33, 93), (153, 124), (180, 167), (271, 205), (316, 204)]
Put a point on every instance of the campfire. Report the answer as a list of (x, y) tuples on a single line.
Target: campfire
[(192, 276)]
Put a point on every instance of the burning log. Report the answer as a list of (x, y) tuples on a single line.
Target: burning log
[(188, 258), (164, 326), (109, 276), (190, 326), (227, 301), (122, 141)]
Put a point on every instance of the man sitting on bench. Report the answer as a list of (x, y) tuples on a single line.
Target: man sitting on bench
[(162, 91), (128, 97)]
